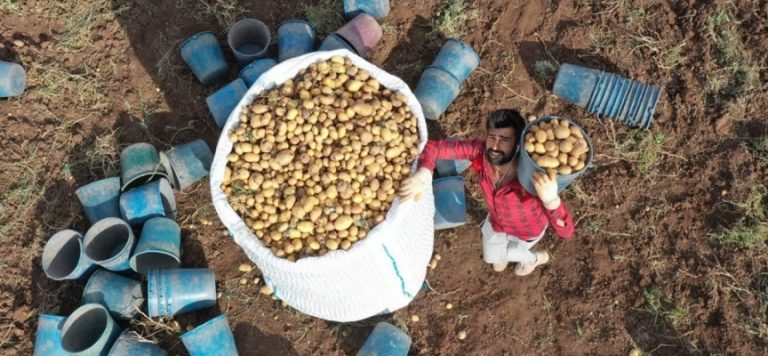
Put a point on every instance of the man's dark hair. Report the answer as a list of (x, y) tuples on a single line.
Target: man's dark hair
[(504, 118)]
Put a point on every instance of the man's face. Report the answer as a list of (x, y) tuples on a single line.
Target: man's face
[(500, 144)]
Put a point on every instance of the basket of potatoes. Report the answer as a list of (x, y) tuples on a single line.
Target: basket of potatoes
[(305, 175), (554, 145)]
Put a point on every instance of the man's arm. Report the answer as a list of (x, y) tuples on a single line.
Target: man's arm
[(421, 180), (561, 220), (557, 214), (453, 149)]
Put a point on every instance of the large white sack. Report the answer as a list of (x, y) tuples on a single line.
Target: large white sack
[(380, 273)]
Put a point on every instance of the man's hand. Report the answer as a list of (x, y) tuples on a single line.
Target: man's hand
[(546, 189), (413, 186)]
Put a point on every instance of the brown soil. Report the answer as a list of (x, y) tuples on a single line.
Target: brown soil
[(641, 271)]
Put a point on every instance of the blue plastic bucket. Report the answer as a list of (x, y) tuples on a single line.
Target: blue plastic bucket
[(89, 330), (122, 296), (223, 101), (375, 8), (436, 90), (386, 339), (64, 257), (212, 338), (177, 291), (109, 243), (188, 163), (450, 206), (526, 166), (458, 58), (154, 199), (204, 57), (139, 164), (13, 79), (48, 336), (294, 38), (158, 247), (249, 39), (362, 32), (451, 167), (251, 73), (130, 343), (100, 199), (608, 95), (333, 42), (576, 84)]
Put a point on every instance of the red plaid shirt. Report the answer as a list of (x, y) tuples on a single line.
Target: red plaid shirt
[(512, 210)]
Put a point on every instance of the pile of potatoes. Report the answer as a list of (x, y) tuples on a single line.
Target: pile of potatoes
[(557, 147), (317, 160)]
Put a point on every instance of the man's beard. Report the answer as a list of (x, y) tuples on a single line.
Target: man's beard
[(499, 160)]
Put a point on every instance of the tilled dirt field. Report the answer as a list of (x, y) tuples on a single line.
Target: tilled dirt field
[(669, 254)]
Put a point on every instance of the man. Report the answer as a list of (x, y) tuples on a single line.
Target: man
[(516, 219)]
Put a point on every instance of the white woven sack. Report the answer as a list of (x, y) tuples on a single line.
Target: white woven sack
[(380, 273)]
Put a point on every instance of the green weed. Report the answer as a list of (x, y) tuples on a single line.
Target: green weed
[(10, 6), (737, 77), (545, 69), (751, 231), (224, 11), (637, 17), (742, 234), (21, 190), (678, 316), (642, 147), (759, 147), (413, 66), (102, 158), (754, 205), (660, 307), (452, 18), (653, 301), (672, 58), (52, 81), (388, 28), (326, 16), (600, 38)]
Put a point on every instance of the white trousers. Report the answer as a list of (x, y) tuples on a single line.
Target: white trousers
[(499, 247)]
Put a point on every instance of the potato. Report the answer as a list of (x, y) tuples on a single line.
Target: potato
[(343, 222), (550, 146), (318, 153), (539, 147), (530, 147), (566, 146), (305, 226), (354, 85), (541, 136), (564, 170), (547, 162), (363, 109), (580, 148), (529, 137), (284, 157), (562, 132), (575, 131), (332, 244), (259, 109)]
